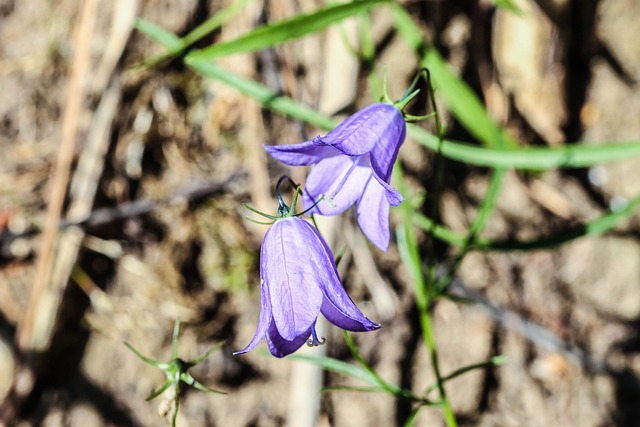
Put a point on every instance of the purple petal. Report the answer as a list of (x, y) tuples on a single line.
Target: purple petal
[(393, 196), (348, 316), (265, 318), (281, 347), (373, 214), (302, 154), (337, 306), (292, 262), (385, 152), (361, 131), (340, 180)]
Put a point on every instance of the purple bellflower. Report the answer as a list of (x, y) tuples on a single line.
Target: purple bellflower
[(353, 164), (298, 281)]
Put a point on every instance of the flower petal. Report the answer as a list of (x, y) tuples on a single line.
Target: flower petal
[(361, 131), (265, 318), (347, 316), (281, 347), (385, 152), (373, 214), (337, 306), (393, 196), (302, 154), (292, 263), (340, 180)]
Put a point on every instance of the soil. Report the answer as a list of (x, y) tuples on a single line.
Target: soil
[(154, 228)]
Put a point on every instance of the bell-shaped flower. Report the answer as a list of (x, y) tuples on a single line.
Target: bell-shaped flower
[(298, 281), (353, 164)]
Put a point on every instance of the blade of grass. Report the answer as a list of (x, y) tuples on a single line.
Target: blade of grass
[(595, 227), (263, 94), (463, 102), (158, 34), (288, 29), (412, 417), (389, 388), (410, 254), (350, 388), (488, 204), (573, 155), (207, 27), (340, 367), (509, 5), (460, 99), (494, 361)]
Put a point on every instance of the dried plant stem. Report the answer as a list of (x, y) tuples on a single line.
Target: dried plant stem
[(33, 328)]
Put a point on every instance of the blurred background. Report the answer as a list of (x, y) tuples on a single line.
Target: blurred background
[(149, 169)]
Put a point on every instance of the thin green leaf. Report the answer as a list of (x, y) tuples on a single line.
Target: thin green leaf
[(390, 388), (460, 99), (494, 361), (263, 94), (573, 155), (463, 102), (598, 226), (202, 357), (351, 388), (407, 28), (257, 212), (412, 417), (340, 367), (189, 380), (201, 31), (216, 21), (159, 391), (158, 34), (285, 30), (159, 365), (509, 5), (488, 205)]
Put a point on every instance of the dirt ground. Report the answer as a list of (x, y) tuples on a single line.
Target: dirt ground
[(155, 230)]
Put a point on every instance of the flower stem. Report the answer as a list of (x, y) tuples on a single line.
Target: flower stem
[(430, 287), (426, 290), (427, 332), (409, 251)]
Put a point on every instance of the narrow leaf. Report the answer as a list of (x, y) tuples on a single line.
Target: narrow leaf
[(288, 29), (463, 102), (198, 33), (340, 367), (509, 5), (573, 155), (158, 34), (263, 94), (159, 365), (596, 227), (460, 99)]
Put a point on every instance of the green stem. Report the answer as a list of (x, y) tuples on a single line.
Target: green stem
[(410, 253), (425, 319), (488, 204), (427, 331)]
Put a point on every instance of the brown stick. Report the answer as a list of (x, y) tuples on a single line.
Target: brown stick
[(26, 338)]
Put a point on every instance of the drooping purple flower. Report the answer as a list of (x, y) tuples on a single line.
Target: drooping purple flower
[(353, 164), (298, 281)]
